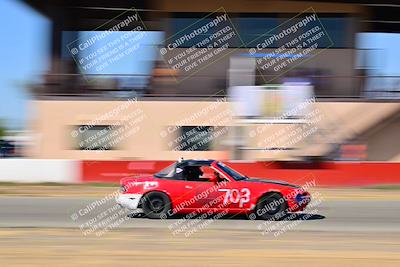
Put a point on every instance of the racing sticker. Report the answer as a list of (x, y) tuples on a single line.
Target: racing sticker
[(147, 184), (150, 185), (241, 196)]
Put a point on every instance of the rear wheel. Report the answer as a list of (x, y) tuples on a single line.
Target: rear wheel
[(271, 206), (156, 205)]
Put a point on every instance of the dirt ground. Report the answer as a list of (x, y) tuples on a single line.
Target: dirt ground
[(136, 247)]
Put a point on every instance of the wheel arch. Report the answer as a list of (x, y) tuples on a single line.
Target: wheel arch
[(272, 192), (155, 191)]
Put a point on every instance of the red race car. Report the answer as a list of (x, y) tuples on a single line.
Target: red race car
[(209, 186)]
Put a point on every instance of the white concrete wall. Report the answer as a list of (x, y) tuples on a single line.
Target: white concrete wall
[(39, 170)]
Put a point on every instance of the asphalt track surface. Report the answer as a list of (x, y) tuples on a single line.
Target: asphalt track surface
[(39, 231), (329, 215)]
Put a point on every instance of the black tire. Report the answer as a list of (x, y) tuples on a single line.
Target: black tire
[(156, 205), (271, 206)]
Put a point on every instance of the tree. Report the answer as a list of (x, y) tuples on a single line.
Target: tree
[(2, 129)]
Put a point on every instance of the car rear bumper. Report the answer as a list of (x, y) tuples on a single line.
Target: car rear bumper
[(129, 201)]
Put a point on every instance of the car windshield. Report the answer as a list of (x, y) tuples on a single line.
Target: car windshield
[(167, 172), (234, 174)]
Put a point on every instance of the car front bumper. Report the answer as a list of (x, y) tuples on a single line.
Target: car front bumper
[(300, 202)]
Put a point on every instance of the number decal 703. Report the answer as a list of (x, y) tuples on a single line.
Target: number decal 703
[(236, 196)]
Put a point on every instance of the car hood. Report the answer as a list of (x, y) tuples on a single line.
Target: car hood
[(266, 181)]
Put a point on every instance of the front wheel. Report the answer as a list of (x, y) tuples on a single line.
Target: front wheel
[(156, 205), (271, 207)]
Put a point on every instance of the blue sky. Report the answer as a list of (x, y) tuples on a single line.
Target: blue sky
[(24, 48), (138, 62), (384, 52)]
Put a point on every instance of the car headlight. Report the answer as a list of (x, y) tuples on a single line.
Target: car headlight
[(303, 198)]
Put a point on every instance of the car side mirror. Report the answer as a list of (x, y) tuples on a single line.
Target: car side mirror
[(214, 179)]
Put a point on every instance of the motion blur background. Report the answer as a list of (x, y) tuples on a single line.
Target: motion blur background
[(69, 131), (50, 105)]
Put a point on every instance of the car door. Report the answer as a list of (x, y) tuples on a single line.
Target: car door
[(179, 191), (182, 193), (211, 194), (238, 196)]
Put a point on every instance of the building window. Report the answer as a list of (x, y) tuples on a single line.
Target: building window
[(339, 31), (184, 24), (198, 138), (95, 137), (254, 26)]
